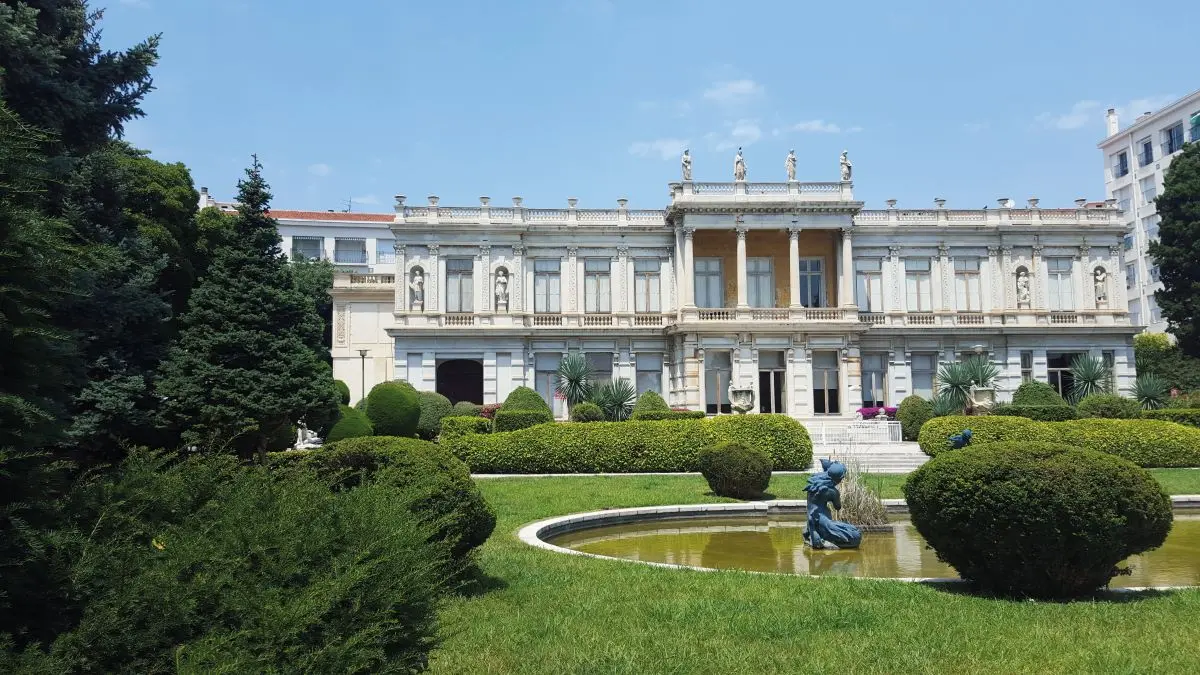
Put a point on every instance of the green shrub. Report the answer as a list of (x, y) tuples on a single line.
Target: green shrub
[(913, 412), (587, 412), (1148, 443), (649, 401), (671, 415), (343, 391), (444, 493), (467, 409), (734, 470), (202, 565), (434, 407), (1109, 406), (1035, 392), (1036, 519), (1190, 399), (353, 423), (394, 408), (1041, 413), (1188, 416), (523, 408), (631, 446), (456, 425), (935, 434)]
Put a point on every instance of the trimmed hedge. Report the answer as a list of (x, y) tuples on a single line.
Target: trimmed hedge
[(1148, 443), (394, 408), (434, 407), (631, 446), (935, 434), (1036, 519), (343, 390), (1041, 413), (1109, 406), (649, 401), (913, 412), (466, 409), (1187, 416), (353, 423), (671, 415), (523, 408), (587, 412), (1186, 400), (1036, 392), (734, 470), (460, 425)]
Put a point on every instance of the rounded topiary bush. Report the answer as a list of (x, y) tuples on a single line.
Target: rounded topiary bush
[(523, 408), (1036, 519), (1109, 406), (1147, 443), (587, 412), (394, 408), (935, 434), (343, 391), (466, 409), (913, 412), (734, 470), (434, 407), (649, 401), (1035, 392), (352, 424)]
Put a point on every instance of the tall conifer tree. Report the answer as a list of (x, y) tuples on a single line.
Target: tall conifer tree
[(1177, 251)]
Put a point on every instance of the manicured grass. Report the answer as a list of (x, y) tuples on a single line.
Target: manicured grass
[(545, 612)]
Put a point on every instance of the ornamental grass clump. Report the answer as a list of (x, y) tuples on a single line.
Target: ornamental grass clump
[(861, 506), (734, 470), (1041, 520)]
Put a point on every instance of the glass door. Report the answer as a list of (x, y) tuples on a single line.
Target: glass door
[(826, 383)]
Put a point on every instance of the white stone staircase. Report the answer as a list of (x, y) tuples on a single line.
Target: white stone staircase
[(873, 458)]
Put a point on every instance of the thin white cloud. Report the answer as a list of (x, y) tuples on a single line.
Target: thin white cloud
[(817, 127), (740, 134), (663, 148), (733, 91), (320, 169), (1130, 111), (1080, 114)]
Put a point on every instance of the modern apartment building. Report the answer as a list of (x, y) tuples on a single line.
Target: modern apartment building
[(1136, 160)]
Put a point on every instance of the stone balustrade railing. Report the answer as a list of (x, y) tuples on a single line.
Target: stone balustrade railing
[(988, 217)]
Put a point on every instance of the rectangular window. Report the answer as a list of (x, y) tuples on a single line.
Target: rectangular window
[(545, 378), (385, 251), (874, 379), (646, 285), (1058, 370), (1155, 315), (1172, 139), (717, 369), (547, 285), (1146, 154), (1027, 366), (966, 285), (710, 285), (826, 388), (771, 371), (760, 282), (1109, 359), (924, 369), (350, 251), (1129, 242), (602, 365), (1149, 190), (1154, 275), (649, 369), (1124, 198), (1195, 122), (917, 285), (868, 288), (1135, 317), (1131, 275), (1150, 224), (308, 248), (812, 282), (1062, 292), (597, 286), (460, 285), (1120, 164)]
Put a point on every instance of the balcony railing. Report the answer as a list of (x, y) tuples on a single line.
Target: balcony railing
[(919, 319), (826, 314), (351, 257), (372, 279), (716, 315), (597, 319), (769, 314), (648, 320), (308, 254), (547, 319), (969, 319), (1062, 318), (873, 318), (458, 320)]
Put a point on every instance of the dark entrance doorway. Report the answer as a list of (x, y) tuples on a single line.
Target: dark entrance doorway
[(461, 380)]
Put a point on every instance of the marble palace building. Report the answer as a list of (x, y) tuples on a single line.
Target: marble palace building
[(790, 288)]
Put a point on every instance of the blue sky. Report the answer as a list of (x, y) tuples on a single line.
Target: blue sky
[(594, 99)]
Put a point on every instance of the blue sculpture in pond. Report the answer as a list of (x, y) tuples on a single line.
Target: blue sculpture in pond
[(823, 531), (962, 440)]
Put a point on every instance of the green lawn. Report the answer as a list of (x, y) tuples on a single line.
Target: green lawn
[(546, 612)]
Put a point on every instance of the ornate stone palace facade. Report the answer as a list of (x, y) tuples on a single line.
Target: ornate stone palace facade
[(792, 289)]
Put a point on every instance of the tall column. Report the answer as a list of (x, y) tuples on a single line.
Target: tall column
[(1041, 278), (1007, 279), (687, 274), (989, 289), (945, 272), (401, 278), (1084, 294), (741, 267), (621, 283), (794, 266), (572, 303), (483, 288), (846, 275), (1116, 280), (516, 276), (432, 279)]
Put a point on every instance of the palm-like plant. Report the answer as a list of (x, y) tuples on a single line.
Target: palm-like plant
[(575, 379), (943, 407), (1151, 391), (956, 379), (1089, 376), (615, 398)]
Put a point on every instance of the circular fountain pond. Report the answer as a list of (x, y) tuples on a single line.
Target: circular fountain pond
[(762, 538)]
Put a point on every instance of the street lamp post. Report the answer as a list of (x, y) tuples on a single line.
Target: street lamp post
[(362, 389)]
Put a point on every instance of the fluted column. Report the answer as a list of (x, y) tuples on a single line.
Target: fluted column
[(687, 274), (741, 267), (794, 266), (846, 280)]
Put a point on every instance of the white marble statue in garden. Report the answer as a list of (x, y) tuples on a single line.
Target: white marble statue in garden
[(305, 438)]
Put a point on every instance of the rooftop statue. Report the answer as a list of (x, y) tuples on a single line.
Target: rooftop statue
[(822, 530), (846, 167), (790, 165), (739, 166), (686, 161)]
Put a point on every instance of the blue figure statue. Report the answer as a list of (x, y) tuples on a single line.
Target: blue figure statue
[(823, 531), (962, 440)]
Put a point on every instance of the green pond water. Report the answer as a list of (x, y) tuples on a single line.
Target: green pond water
[(775, 544)]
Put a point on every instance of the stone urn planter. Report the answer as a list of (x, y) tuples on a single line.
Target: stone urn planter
[(741, 400)]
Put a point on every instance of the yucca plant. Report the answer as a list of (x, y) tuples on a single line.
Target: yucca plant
[(575, 379), (1089, 376), (1151, 391), (944, 407), (956, 379), (615, 398)]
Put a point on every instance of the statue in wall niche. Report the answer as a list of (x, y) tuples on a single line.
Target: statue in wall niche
[(1023, 286), (686, 162), (846, 167), (1100, 276), (306, 439), (502, 290), (417, 285), (790, 164), (739, 166), (821, 530)]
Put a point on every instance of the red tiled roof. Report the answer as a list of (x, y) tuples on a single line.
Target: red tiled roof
[(336, 215)]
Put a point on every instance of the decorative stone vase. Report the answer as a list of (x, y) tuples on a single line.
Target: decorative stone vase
[(741, 400), (983, 398)]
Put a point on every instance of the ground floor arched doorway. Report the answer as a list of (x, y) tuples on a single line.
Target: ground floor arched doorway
[(461, 380)]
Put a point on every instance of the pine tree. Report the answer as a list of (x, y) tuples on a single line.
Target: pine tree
[(1177, 252), (246, 363)]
